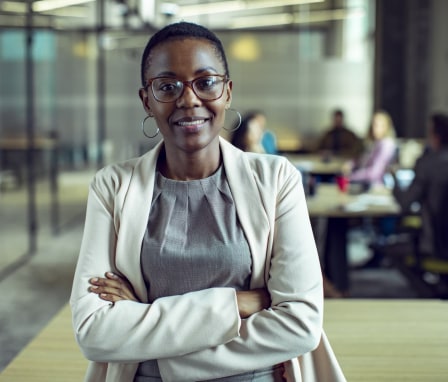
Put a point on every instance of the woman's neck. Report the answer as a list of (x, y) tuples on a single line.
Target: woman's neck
[(186, 166)]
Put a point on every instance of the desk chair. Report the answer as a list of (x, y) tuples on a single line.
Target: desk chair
[(427, 273)]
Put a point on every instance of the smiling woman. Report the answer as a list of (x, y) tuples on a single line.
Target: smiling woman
[(190, 257), (190, 92)]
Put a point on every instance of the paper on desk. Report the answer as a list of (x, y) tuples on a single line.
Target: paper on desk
[(362, 202), (374, 200), (354, 207)]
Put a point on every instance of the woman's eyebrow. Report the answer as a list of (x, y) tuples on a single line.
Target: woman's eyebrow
[(206, 69), (168, 73)]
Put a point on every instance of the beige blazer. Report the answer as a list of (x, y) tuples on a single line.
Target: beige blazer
[(199, 335)]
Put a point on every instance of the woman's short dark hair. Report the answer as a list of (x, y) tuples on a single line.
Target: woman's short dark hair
[(440, 127), (180, 31)]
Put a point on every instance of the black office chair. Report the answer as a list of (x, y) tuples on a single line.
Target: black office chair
[(427, 273)]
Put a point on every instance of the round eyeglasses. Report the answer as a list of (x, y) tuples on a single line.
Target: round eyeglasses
[(206, 88)]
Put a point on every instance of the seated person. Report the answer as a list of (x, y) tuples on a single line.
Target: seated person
[(248, 137), (339, 140), (381, 151), (269, 142), (430, 189)]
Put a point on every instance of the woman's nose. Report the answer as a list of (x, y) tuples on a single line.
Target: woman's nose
[(188, 98)]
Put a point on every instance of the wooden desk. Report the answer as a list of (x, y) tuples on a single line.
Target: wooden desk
[(21, 143), (15, 158), (337, 207), (374, 341), (316, 165), (330, 202)]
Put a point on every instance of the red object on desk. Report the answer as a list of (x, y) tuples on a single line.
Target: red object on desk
[(342, 182)]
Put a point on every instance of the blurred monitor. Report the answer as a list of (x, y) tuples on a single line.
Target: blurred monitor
[(404, 178)]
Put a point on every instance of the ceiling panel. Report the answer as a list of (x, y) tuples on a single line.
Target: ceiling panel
[(138, 14)]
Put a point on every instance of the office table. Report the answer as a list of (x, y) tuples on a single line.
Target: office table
[(315, 164), (374, 341), (330, 202), (337, 207), (13, 152), (15, 157)]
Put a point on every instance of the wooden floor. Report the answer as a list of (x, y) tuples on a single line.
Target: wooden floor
[(374, 340), (390, 340)]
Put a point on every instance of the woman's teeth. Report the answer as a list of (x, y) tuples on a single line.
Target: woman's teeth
[(192, 123)]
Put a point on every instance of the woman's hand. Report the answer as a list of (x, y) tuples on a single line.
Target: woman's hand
[(252, 301), (112, 288)]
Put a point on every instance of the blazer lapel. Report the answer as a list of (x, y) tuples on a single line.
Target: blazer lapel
[(134, 220), (250, 208)]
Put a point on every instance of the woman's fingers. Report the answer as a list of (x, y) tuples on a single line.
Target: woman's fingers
[(252, 301), (112, 288)]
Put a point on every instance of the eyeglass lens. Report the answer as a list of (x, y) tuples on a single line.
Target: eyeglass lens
[(167, 89)]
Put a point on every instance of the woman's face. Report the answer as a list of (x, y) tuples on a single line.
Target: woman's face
[(254, 132), (379, 126), (187, 124)]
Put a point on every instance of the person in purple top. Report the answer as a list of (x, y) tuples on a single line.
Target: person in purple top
[(380, 153)]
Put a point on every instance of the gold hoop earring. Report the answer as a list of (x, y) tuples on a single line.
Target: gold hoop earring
[(143, 129), (239, 121)]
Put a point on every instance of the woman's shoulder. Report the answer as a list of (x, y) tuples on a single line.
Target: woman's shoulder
[(260, 161), (271, 169), (117, 169), (125, 169), (117, 177)]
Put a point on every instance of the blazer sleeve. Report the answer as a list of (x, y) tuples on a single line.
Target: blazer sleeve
[(128, 331), (292, 326)]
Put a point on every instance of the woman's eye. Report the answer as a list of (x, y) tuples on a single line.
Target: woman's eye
[(168, 87), (206, 83)]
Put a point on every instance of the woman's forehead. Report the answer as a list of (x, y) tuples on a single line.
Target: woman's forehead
[(181, 55)]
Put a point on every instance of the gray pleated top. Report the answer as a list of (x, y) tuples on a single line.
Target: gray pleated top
[(193, 241)]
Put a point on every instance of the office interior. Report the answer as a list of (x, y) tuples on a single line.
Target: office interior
[(70, 74)]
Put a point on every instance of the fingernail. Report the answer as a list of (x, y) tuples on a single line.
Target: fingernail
[(94, 280), (93, 287), (103, 295), (111, 274)]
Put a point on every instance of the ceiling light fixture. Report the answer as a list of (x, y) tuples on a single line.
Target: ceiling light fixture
[(295, 18), (237, 5), (39, 6), (49, 5), (13, 6)]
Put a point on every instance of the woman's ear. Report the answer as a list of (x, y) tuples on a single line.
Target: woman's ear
[(143, 94), (228, 93)]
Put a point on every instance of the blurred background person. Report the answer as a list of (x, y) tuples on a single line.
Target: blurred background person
[(429, 188), (380, 152), (368, 171), (248, 137), (425, 197), (269, 138), (339, 140)]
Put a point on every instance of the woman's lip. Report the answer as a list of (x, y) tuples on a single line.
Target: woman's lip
[(191, 122), (191, 125)]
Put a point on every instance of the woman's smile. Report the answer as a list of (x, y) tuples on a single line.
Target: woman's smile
[(191, 124)]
